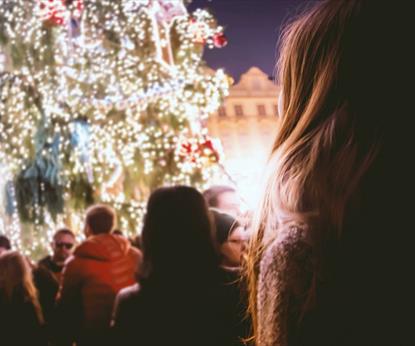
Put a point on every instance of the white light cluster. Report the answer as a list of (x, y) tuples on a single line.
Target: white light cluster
[(131, 76)]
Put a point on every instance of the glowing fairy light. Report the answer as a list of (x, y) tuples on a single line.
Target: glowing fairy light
[(96, 100)]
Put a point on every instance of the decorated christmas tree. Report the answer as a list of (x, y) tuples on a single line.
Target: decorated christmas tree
[(101, 101)]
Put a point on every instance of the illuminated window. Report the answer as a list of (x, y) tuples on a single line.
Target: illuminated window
[(261, 110), (222, 111), (239, 111)]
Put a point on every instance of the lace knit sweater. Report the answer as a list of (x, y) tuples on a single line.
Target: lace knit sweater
[(284, 279)]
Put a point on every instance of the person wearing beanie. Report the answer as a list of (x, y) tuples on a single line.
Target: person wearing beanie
[(230, 237)]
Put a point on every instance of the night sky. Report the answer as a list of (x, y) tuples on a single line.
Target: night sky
[(252, 28)]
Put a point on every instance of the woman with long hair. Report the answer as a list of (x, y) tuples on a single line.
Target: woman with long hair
[(21, 320), (179, 299), (332, 221)]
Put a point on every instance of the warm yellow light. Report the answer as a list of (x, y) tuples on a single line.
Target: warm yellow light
[(136, 97)]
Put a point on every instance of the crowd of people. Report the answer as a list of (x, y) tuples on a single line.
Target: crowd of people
[(330, 256), (183, 278)]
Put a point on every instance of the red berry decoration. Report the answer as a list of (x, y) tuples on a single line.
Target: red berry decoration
[(220, 40)]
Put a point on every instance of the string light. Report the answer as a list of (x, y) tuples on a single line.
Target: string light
[(108, 91)]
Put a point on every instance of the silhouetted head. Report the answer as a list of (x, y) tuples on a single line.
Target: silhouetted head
[(224, 198), (100, 219), (230, 237), (177, 234), (4, 244), (16, 283)]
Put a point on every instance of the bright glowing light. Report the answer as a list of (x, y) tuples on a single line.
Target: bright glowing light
[(104, 92)]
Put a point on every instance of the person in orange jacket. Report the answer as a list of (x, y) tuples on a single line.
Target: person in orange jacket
[(100, 267)]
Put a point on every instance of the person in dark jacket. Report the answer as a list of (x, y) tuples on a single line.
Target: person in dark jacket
[(48, 272), (180, 299), (21, 319), (230, 239)]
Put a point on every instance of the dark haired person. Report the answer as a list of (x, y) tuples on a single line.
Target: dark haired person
[(180, 298), (101, 265), (231, 239), (4, 244)]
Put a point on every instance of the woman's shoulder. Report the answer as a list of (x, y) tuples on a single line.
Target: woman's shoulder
[(288, 253), (291, 240)]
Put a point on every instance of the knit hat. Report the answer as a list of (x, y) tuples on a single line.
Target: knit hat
[(224, 223)]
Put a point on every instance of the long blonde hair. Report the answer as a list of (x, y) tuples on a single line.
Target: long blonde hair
[(16, 279), (324, 146)]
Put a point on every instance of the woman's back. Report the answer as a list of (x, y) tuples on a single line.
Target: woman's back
[(21, 319), (19, 322), (181, 297), (174, 313)]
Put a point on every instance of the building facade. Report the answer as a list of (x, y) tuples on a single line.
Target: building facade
[(246, 125)]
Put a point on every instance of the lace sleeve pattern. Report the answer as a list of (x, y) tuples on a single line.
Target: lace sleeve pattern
[(284, 278)]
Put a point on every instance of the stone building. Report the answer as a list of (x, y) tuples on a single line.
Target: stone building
[(246, 126)]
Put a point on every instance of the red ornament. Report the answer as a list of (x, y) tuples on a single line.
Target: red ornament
[(220, 40), (187, 151), (207, 145), (199, 150), (187, 148), (53, 12), (208, 149)]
